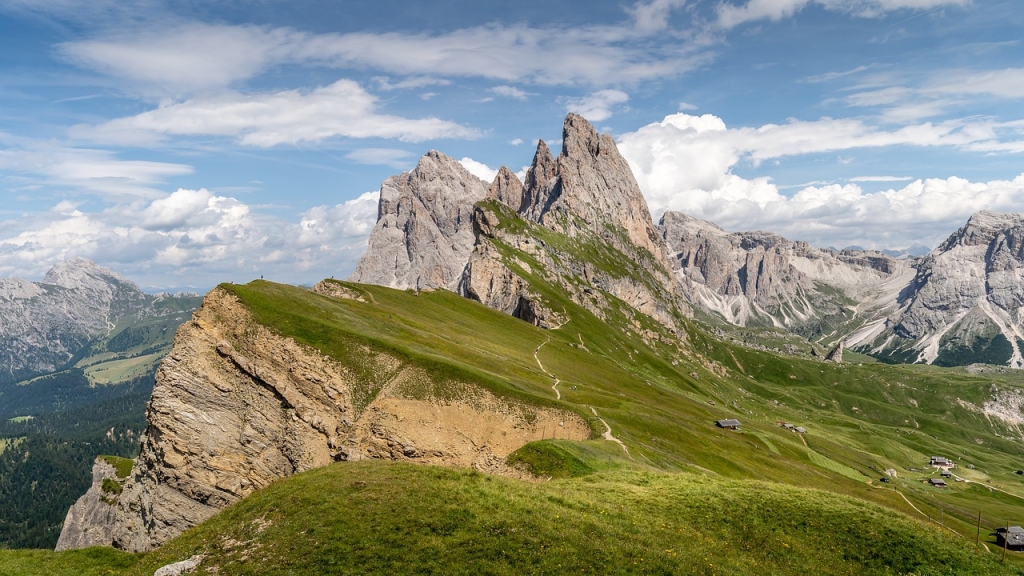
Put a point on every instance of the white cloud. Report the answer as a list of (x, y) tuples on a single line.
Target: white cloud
[(192, 238), (196, 57), (385, 83), (597, 106), (264, 120), (95, 171), (829, 76), (731, 15), (516, 141), (686, 162), (1006, 83), (686, 107), (511, 92), (479, 169), (653, 16), (187, 58)]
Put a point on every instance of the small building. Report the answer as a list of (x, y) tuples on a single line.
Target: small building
[(800, 430), (946, 474), (729, 424), (1014, 538), (937, 482), (941, 461)]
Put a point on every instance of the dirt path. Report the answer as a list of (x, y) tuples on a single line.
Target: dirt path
[(911, 504), (608, 434), (558, 395), (987, 486)]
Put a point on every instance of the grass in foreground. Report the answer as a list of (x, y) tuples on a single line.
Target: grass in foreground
[(376, 517)]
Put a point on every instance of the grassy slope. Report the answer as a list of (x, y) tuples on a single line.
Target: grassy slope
[(662, 412), (376, 517)]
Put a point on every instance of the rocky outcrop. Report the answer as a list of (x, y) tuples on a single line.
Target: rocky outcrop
[(237, 406), (761, 278), (506, 189), (90, 521), (586, 195), (424, 230), (836, 354), (966, 303)]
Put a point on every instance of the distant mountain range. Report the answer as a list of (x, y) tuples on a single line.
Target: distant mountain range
[(82, 325)]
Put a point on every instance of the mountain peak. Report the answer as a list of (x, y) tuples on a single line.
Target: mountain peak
[(424, 230), (507, 189), (78, 273)]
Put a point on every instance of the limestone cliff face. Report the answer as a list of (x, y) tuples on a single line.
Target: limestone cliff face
[(967, 299), (424, 230), (594, 183), (236, 406), (762, 278), (90, 521), (587, 195)]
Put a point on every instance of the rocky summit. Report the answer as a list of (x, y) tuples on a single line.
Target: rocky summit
[(586, 199), (966, 302), (424, 230)]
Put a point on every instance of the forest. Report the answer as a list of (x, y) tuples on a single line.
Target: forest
[(46, 459)]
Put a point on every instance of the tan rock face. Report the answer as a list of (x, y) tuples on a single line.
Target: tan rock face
[(237, 406)]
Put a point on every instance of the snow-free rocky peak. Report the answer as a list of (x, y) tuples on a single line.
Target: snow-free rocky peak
[(966, 302), (424, 230), (429, 235)]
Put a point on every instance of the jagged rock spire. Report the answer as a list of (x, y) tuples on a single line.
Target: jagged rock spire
[(507, 189), (591, 180), (541, 183)]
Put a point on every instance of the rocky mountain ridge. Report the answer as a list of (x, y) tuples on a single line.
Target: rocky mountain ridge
[(965, 303), (44, 325), (601, 242), (898, 308)]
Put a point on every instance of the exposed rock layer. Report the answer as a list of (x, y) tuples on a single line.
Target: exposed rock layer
[(237, 406)]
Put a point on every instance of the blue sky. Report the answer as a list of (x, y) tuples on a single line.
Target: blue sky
[(185, 143)]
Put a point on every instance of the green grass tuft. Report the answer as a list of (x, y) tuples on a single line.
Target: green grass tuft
[(122, 466)]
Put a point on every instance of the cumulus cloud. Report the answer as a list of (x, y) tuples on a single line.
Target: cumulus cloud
[(731, 15), (686, 163), (94, 171), (479, 169), (597, 106), (264, 120), (192, 238)]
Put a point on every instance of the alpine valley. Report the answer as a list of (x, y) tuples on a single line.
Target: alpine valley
[(535, 377)]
